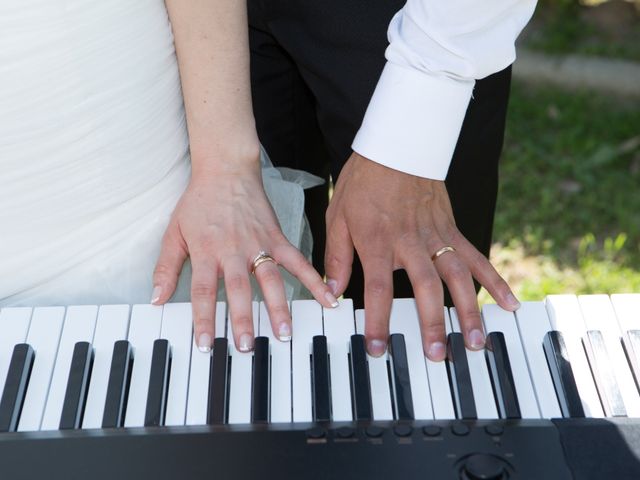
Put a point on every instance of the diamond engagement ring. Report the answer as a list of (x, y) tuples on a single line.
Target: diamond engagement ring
[(260, 259)]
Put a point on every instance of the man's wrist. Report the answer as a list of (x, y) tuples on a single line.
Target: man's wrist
[(413, 121)]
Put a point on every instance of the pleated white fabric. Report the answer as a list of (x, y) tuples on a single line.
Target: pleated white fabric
[(93, 150)]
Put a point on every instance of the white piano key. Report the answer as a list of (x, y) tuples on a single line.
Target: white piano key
[(566, 317), (280, 370), (533, 324), (14, 325), (598, 314), (480, 380), (627, 308), (144, 329), (338, 327), (111, 326), (79, 325), (378, 378), (44, 335), (198, 397), (498, 320), (439, 386), (307, 322), (241, 372), (404, 319), (177, 328)]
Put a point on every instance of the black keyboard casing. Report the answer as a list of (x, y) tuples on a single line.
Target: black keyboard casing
[(529, 449)]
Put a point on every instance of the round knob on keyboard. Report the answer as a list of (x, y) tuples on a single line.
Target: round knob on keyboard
[(480, 466), (345, 432)]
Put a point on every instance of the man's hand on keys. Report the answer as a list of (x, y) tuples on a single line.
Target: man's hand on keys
[(395, 220)]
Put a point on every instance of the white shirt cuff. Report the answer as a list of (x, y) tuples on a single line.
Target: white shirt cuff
[(413, 121)]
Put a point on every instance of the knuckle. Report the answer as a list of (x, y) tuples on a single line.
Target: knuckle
[(279, 311), (433, 326), (378, 288), (470, 316), (430, 283), (480, 262), (236, 282), (202, 290), (242, 321), (163, 270)]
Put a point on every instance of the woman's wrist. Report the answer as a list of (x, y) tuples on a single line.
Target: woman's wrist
[(232, 158)]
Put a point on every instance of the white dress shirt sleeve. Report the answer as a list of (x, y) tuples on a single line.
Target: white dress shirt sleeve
[(437, 50)]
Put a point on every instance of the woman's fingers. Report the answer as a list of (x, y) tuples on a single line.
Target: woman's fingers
[(173, 254), (239, 298), (295, 263), (204, 287), (272, 286)]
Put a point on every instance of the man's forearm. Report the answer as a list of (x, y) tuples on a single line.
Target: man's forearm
[(438, 48)]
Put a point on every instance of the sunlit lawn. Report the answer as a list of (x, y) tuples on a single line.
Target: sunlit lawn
[(568, 216)]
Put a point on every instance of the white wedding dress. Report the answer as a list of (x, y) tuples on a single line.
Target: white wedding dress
[(94, 153)]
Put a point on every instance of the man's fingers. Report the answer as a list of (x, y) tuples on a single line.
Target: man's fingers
[(429, 295), (295, 263), (204, 287), (488, 277), (272, 286), (378, 295), (458, 278), (338, 256), (236, 282), (173, 254)]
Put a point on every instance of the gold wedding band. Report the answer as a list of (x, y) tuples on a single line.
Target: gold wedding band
[(442, 251), (260, 259)]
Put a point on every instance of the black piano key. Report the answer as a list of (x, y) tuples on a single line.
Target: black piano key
[(602, 371), (77, 385), (320, 380), (631, 344), (360, 385), (218, 383), (504, 387), (15, 386), (400, 380), (460, 377), (118, 385), (158, 383), (564, 382), (260, 391)]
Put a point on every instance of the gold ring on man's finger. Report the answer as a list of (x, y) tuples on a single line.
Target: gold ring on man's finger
[(442, 251)]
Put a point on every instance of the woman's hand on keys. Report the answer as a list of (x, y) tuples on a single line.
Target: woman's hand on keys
[(222, 222)]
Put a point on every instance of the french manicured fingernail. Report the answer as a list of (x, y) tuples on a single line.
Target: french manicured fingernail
[(246, 342), (333, 301), (436, 351), (284, 332), (512, 301), (476, 339), (376, 347), (155, 294), (204, 343), (333, 285)]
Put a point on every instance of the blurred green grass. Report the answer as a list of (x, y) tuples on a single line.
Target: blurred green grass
[(589, 27), (568, 215)]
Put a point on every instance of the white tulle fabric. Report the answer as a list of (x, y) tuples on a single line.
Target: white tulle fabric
[(94, 152)]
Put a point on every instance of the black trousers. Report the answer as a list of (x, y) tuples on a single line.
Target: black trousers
[(314, 66)]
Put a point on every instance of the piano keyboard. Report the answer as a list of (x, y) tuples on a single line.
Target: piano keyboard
[(115, 368)]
